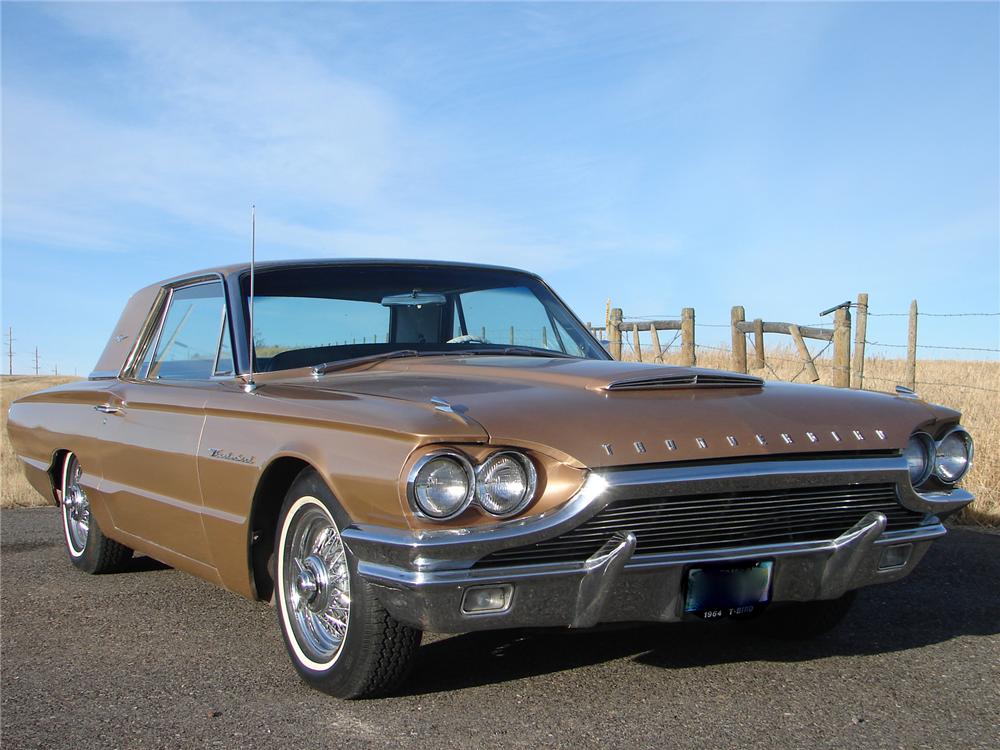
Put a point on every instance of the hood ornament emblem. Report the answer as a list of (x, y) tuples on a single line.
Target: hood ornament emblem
[(441, 405)]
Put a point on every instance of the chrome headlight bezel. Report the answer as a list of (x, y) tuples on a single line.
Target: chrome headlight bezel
[(530, 481), (969, 450), (413, 477), (928, 447)]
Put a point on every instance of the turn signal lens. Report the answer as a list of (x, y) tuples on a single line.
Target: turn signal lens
[(505, 483), (487, 599), (953, 456)]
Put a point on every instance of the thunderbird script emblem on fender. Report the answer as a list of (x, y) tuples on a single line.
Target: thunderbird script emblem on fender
[(230, 456)]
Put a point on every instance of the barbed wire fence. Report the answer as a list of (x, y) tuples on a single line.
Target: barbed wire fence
[(623, 336)]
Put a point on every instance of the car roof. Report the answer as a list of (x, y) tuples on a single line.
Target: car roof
[(270, 265), (139, 305)]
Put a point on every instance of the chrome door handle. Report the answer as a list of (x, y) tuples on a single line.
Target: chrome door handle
[(108, 409)]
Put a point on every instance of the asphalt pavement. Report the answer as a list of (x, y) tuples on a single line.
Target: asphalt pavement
[(156, 658)]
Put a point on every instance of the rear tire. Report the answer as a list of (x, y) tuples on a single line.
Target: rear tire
[(88, 548), (339, 637), (803, 620)]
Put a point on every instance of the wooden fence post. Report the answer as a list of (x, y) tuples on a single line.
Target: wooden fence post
[(739, 360), (657, 349), (860, 332), (615, 332), (635, 342), (911, 349), (687, 336), (800, 344), (758, 344), (842, 348)]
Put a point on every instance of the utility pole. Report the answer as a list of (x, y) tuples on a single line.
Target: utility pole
[(10, 350), (36, 361)]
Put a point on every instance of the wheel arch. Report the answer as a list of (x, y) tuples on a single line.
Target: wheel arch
[(265, 508), (59, 457)]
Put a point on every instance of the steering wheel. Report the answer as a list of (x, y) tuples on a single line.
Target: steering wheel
[(466, 340)]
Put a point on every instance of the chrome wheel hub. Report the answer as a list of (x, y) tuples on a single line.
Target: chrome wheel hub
[(76, 508), (316, 584), (312, 583)]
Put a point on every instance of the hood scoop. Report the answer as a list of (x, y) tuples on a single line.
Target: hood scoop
[(689, 379)]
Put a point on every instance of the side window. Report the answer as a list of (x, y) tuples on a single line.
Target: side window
[(193, 343)]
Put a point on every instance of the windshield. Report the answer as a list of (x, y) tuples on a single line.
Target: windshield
[(314, 315)]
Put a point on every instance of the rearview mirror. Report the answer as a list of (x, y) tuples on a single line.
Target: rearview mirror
[(416, 298)]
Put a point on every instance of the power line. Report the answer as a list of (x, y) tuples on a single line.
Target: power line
[(10, 350)]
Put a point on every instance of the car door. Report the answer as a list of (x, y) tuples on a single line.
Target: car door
[(155, 419)]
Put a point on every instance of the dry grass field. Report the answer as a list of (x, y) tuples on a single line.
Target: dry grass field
[(969, 386), (14, 488), (972, 387)]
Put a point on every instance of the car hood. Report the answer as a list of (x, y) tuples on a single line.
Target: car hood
[(609, 413)]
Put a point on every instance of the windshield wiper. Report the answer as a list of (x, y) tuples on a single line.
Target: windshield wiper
[(343, 364), (519, 351)]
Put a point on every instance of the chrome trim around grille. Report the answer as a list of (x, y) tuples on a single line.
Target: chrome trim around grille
[(702, 522), (459, 549)]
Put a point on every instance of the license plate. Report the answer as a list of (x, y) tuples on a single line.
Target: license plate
[(727, 590)]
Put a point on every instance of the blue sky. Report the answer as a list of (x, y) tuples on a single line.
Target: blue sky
[(780, 156)]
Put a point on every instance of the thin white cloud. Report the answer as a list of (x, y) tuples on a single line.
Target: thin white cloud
[(229, 119)]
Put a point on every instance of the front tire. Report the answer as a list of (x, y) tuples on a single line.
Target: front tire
[(88, 548), (339, 637)]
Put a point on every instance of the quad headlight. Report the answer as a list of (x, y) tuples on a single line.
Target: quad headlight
[(505, 483), (443, 484), (919, 455), (953, 456)]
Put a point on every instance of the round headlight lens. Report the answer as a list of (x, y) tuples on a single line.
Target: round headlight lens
[(442, 486), (505, 483), (918, 454), (953, 456)]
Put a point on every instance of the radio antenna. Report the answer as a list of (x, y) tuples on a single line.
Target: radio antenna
[(250, 385)]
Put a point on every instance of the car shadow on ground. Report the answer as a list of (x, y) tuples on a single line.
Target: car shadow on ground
[(952, 593), (142, 564)]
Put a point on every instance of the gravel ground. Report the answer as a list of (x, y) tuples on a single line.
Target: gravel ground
[(157, 658)]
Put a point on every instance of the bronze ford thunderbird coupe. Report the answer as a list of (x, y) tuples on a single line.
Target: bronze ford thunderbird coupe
[(412, 446)]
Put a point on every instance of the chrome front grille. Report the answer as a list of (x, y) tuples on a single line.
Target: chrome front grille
[(720, 520)]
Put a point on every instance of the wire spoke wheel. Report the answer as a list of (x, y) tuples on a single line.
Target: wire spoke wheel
[(315, 583), (75, 508), (338, 634)]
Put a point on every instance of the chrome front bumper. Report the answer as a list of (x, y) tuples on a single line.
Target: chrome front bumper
[(422, 577)]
